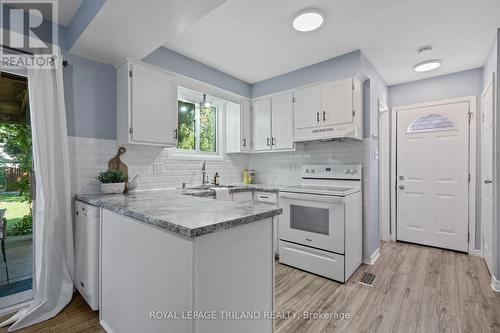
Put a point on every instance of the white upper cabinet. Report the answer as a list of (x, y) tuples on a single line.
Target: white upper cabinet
[(329, 110), (273, 122), (262, 124), (146, 106), (238, 127), (307, 108), (336, 97), (282, 121), (246, 126), (233, 128)]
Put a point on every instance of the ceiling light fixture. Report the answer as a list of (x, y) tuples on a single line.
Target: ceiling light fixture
[(308, 20), (428, 65)]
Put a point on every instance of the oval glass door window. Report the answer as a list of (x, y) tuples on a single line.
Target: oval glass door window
[(431, 122)]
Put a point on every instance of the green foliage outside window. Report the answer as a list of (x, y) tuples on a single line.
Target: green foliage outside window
[(186, 125), (208, 131), (16, 142), (188, 115)]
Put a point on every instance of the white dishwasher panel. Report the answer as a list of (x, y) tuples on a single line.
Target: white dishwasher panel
[(87, 220)]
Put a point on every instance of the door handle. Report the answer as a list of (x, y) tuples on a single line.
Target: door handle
[(175, 134), (324, 115), (273, 141), (244, 142), (317, 117), (488, 181), (401, 187), (268, 141)]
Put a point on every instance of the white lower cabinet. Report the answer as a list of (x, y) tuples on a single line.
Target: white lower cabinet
[(148, 273)]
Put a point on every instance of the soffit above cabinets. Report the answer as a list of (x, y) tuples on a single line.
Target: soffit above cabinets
[(134, 29), (66, 10), (255, 40)]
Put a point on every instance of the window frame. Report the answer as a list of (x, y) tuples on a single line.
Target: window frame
[(191, 96)]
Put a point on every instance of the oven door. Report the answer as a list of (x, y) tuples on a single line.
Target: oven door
[(312, 220)]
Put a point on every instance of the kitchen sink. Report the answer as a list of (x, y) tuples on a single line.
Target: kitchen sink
[(207, 187)]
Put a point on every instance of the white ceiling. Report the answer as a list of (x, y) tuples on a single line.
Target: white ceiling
[(134, 29), (254, 40), (66, 8)]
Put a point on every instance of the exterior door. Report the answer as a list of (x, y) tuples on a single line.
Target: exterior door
[(432, 175), (487, 106)]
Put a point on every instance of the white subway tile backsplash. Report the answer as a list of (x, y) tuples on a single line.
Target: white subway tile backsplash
[(90, 156)]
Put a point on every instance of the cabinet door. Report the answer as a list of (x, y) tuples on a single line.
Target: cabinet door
[(153, 106), (282, 121), (246, 126), (262, 124), (307, 108), (337, 102), (233, 129)]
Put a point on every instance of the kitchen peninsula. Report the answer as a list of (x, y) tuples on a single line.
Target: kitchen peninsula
[(169, 255)]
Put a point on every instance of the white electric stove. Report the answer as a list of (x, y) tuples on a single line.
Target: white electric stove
[(320, 230)]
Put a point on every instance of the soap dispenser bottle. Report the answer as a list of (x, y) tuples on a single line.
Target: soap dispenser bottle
[(216, 179)]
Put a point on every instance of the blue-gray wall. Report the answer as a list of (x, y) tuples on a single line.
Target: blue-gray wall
[(459, 84), (175, 62), (90, 94), (336, 68)]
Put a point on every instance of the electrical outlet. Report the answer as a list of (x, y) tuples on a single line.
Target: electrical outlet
[(158, 168)]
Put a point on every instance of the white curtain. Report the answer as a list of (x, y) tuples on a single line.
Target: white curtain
[(53, 231)]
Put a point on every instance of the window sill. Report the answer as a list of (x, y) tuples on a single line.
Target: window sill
[(181, 155)]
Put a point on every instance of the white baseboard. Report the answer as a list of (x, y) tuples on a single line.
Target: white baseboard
[(476, 253), (371, 260), (495, 284), (105, 327)]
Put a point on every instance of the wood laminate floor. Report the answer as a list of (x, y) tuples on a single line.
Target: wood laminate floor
[(417, 289)]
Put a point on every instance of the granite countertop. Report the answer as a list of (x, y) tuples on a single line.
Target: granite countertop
[(188, 212)]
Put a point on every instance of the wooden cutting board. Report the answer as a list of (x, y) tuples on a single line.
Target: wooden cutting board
[(116, 164)]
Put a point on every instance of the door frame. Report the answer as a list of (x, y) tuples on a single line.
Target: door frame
[(493, 241), (472, 100), (20, 300)]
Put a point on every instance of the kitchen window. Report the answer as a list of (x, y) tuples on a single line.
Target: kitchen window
[(198, 124)]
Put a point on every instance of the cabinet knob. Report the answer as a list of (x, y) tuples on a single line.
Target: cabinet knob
[(268, 141)]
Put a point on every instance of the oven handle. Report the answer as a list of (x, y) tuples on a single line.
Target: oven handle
[(311, 197)]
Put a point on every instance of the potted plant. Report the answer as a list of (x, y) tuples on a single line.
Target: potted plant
[(112, 181)]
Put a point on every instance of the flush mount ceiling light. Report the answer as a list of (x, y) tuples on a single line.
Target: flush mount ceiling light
[(426, 66), (308, 20)]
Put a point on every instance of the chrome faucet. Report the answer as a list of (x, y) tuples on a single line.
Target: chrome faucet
[(204, 173)]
